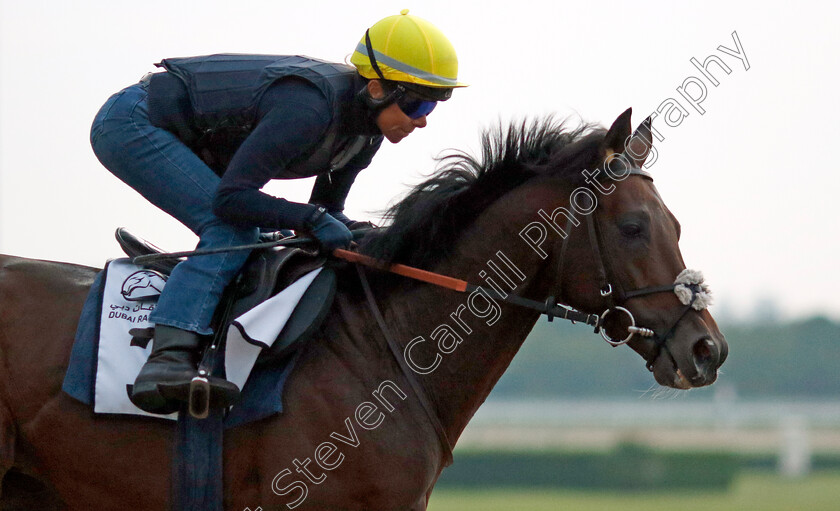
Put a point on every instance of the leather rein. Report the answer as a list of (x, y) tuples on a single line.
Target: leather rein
[(614, 296)]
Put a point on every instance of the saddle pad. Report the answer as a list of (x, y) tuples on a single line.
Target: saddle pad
[(128, 298), (257, 329), (118, 307)]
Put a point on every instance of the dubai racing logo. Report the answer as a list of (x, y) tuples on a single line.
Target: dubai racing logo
[(143, 286)]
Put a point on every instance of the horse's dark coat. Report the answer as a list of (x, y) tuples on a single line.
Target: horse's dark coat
[(477, 209)]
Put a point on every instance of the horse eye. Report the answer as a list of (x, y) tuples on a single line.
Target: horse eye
[(631, 230)]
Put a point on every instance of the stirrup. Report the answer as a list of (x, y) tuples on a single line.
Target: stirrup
[(199, 398), (202, 394)]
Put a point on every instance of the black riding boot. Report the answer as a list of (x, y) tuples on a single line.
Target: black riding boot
[(164, 381)]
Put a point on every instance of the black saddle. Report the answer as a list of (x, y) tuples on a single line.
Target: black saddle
[(134, 246), (265, 273)]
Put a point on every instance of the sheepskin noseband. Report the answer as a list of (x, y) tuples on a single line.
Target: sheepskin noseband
[(691, 289)]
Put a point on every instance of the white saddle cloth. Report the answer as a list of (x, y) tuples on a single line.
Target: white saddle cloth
[(129, 296)]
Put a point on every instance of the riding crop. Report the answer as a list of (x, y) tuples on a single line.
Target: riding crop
[(286, 242)]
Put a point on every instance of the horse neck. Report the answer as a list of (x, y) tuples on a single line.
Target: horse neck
[(465, 342)]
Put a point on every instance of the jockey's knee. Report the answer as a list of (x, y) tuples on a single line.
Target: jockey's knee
[(218, 233)]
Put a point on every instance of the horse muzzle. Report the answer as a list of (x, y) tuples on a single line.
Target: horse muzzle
[(691, 357)]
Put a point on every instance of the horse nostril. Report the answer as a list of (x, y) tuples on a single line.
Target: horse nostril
[(704, 355)]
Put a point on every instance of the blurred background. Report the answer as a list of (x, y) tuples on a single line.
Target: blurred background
[(574, 424)]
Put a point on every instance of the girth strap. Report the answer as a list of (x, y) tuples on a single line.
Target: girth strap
[(446, 446)]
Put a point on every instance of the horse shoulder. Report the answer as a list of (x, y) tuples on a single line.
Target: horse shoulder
[(344, 374)]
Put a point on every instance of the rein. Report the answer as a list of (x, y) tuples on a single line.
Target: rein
[(418, 389), (548, 307), (552, 310), (688, 286)]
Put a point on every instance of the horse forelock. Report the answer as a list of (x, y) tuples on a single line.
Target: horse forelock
[(425, 225)]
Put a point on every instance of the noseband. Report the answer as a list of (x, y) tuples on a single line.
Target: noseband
[(688, 286)]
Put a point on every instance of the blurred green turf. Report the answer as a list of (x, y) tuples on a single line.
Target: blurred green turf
[(750, 492)]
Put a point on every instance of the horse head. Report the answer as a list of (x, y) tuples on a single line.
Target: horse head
[(623, 262), (598, 238)]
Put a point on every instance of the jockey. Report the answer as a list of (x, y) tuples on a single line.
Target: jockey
[(201, 139)]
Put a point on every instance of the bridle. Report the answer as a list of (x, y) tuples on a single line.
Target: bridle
[(688, 286), (693, 293)]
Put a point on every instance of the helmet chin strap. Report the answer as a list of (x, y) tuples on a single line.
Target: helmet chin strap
[(376, 104), (371, 55)]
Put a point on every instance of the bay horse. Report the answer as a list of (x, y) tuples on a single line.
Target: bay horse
[(355, 434)]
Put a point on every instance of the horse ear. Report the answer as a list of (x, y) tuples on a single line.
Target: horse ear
[(617, 135), (638, 147)]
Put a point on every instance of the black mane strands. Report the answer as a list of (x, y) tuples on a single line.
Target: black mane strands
[(425, 224)]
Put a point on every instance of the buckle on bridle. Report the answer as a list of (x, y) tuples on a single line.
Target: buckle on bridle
[(607, 291)]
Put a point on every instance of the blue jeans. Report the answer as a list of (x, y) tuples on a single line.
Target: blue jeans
[(157, 164)]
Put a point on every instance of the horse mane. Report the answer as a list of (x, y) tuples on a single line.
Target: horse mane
[(426, 223)]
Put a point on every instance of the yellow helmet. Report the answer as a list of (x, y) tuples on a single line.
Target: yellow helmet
[(410, 50)]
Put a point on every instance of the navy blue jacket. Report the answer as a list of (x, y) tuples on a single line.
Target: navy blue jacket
[(253, 118)]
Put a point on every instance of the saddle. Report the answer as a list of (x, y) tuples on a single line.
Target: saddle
[(265, 273)]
